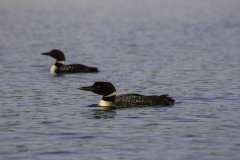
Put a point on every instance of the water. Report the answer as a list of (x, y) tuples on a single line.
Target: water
[(187, 49)]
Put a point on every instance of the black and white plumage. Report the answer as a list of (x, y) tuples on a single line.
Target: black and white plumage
[(59, 67), (126, 100)]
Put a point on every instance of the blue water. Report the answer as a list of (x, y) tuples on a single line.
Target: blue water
[(187, 49)]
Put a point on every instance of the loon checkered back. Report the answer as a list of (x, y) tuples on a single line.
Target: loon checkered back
[(141, 100)]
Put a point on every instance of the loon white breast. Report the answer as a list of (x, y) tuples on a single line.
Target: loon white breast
[(126, 100), (60, 67)]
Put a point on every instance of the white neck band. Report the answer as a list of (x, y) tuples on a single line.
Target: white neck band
[(112, 94), (61, 62)]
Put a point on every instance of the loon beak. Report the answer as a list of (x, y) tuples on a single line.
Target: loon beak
[(90, 88), (46, 53)]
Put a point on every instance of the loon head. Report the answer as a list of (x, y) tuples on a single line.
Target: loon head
[(103, 88), (57, 54)]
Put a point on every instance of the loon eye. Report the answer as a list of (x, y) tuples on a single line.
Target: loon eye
[(98, 86)]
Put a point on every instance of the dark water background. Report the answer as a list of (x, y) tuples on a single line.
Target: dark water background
[(187, 49)]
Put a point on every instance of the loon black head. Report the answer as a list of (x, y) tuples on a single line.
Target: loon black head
[(57, 54), (103, 88)]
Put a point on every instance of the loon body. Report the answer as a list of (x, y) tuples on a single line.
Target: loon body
[(60, 67), (126, 100)]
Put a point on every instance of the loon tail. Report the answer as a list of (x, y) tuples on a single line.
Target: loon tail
[(163, 99), (93, 69)]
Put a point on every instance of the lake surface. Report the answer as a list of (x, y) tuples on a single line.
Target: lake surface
[(187, 49)]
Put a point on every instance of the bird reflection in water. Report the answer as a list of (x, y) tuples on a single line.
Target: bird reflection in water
[(103, 112)]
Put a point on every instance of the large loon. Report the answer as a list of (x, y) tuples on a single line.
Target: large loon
[(60, 67), (126, 100)]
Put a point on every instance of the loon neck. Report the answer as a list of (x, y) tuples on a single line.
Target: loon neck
[(55, 67), (103, 103), (59, 63), (108, 100)]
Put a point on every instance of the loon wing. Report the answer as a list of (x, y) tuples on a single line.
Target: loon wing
[(73, 68), (130, 100)]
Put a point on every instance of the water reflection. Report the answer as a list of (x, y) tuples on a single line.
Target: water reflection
[(105, 113)]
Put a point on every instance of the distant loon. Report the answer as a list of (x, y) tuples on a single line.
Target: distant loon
[(126, 100), (60, 67)]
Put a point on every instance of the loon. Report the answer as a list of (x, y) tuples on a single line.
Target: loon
[(110, 99), (60, 67)]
